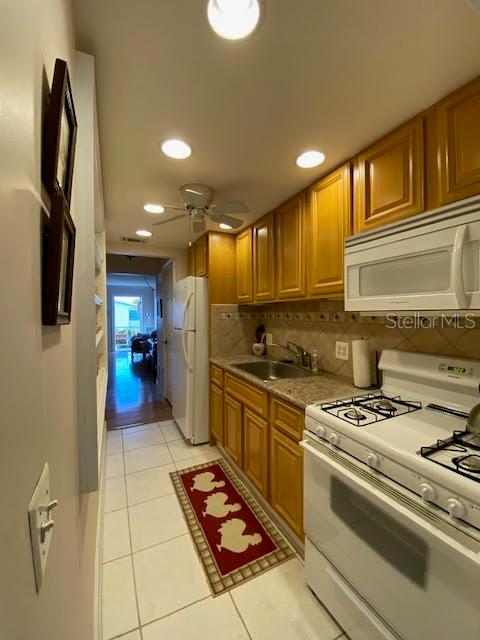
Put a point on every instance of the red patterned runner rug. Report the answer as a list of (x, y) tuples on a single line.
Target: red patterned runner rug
[(234, 537)]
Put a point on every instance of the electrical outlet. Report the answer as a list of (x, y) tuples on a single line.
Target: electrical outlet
[(341, 350), (268, 339)]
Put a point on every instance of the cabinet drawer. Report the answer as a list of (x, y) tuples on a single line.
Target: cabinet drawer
[(287, 418), (216, 375), (250, 396)]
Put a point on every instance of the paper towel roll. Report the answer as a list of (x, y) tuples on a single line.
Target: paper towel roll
[(361, 364)]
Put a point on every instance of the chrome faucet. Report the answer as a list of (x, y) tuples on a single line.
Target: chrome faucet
[(302, 357)]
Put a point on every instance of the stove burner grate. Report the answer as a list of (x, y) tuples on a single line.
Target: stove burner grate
[(455, 444), (378, 407), (469, 463)]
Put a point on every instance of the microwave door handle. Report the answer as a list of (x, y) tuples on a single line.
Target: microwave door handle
[(463, 299), (390, 504)]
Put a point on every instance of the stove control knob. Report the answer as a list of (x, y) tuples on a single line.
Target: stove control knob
[(320, 431), (373, 461), (456, 508), (427, 492), (334, 439)]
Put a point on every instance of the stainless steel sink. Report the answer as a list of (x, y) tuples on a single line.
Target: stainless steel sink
[(272, 370)]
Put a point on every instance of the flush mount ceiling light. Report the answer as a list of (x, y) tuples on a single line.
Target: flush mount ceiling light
[(233, 19), (310, 159), (153, 208), (222, 225), (144, 233), (177, 149)]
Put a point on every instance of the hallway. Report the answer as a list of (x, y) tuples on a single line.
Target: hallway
[(133, 398)]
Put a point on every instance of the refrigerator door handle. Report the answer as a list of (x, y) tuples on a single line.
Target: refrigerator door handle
[(184, 333)]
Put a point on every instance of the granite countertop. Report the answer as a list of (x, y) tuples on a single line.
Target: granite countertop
[(299, 391)]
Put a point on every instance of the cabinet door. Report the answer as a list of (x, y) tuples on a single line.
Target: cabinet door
[(244, 266), (216, 413), (389, 178), (232, 429), (201, 256), (286, 480), (264, 259), (458, 122), (255, 450), (330, 223), (290, 237)]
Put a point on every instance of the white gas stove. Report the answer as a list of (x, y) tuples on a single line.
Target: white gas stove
[(414, 429), (392, 502)]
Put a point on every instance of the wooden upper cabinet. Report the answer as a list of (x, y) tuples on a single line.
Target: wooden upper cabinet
[(290, 227), (244, 266), (201, 256), (458, 150), (264, 258), (330, 222), (389, 178)]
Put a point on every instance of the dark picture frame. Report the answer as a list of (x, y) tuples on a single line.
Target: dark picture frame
[(60, 134), (59, 254)]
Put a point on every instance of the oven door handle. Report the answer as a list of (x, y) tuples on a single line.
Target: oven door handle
[(405, 514)]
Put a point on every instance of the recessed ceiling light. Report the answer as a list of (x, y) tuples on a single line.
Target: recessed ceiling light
[(177, 149), (153, 208), (310, 159), (233, 19), (144, 233), (223, 225)]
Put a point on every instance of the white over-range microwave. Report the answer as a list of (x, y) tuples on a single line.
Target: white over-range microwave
[(427, 262)]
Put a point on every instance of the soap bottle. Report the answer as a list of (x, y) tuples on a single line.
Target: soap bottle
[(314, 361)]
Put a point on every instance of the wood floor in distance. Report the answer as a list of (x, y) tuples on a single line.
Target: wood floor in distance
[(132, 396)]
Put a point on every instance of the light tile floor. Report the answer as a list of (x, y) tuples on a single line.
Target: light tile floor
[(154, 587)]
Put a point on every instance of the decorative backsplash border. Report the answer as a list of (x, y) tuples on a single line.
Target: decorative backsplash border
[(319, 325)]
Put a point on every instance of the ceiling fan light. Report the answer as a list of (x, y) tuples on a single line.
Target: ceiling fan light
[(225, 226), (177, 149), (309, 159), (233, 19), (143, 233), (150, 207)]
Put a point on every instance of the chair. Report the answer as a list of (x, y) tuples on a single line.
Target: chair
[(140, 344)]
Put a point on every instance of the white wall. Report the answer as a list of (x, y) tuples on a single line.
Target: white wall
[(37, 396)]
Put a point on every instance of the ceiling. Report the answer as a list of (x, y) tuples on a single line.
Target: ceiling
[(327, 74)]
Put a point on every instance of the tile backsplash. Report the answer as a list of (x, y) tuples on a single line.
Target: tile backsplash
[(319, 325)]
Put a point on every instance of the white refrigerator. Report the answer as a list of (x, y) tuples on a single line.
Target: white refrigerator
[(190, 358)]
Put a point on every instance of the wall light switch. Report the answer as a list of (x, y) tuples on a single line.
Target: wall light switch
[(41, 524), (341, 350), (268, 339)]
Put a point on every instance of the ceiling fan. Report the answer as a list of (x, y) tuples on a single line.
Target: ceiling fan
[(197, 205)]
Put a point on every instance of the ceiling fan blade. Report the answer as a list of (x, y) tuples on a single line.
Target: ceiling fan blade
[(198, 225), (231, 207), (174, 207), (221, 218), (156, 224)]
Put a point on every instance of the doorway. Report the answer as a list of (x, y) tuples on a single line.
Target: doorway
[(135, 393), (127, 314)]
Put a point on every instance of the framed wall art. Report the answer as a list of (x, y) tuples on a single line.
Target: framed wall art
[(58, 149), (59, 253)]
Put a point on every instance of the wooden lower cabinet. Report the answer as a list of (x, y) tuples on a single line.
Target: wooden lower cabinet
[(286, 480), (216, 413), (255, 450), (233, 429)]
